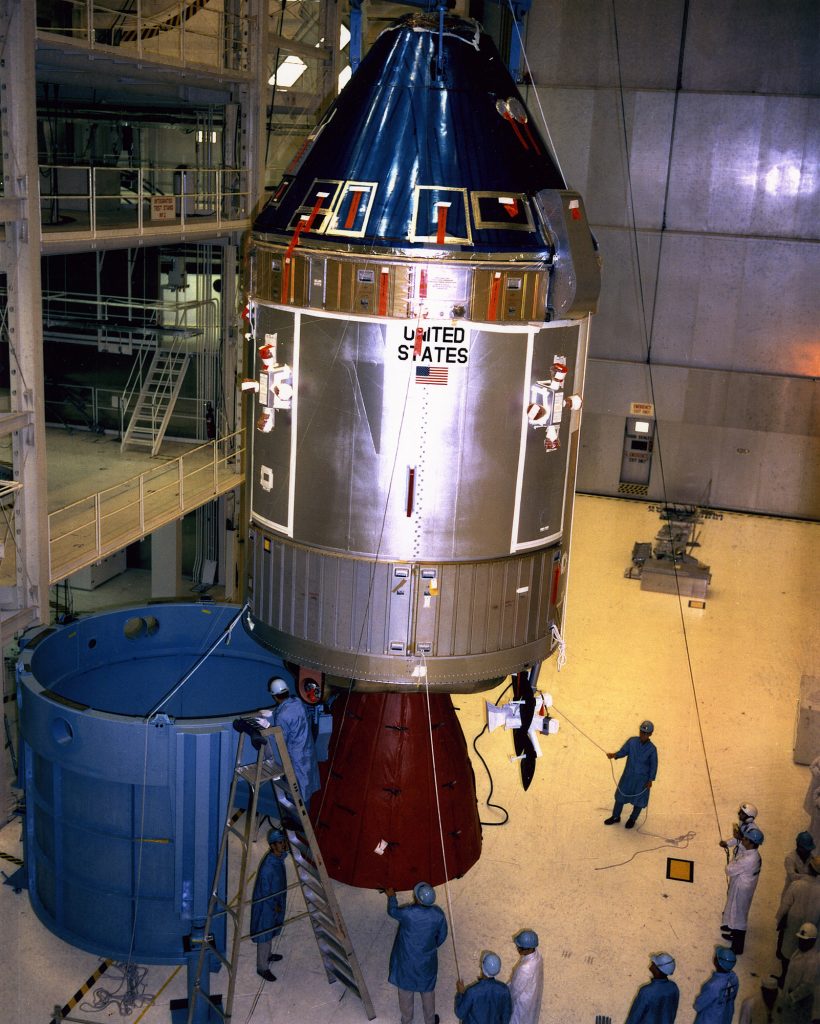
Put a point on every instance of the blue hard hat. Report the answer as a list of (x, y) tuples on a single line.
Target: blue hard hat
[(491, 964), (425, 894), (805, 841), (647, 726), (526, 939), (664, 962), (276, 835), (725, 957), (752, 832)]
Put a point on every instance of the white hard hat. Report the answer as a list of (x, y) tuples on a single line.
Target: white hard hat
[(806, 931), (277, 686), (749, 810)]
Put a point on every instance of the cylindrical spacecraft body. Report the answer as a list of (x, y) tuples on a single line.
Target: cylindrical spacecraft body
[(125, 807), (420, 289)]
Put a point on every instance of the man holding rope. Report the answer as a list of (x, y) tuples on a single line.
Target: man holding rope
[(414, 957), (641, 768)]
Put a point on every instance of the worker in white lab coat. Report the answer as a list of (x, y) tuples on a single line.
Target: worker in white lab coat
[(801, 990), (797, 860), (527, 981), (800, 904), (759, 1009), (743, 872)]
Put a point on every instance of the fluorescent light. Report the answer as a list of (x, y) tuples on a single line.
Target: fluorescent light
[(344, 76), (289, 71), (344, 36)]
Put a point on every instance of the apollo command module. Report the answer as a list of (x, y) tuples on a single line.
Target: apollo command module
[(420, 289)]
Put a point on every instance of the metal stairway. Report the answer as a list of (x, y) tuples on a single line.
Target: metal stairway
[(335, 947), (156, 400)]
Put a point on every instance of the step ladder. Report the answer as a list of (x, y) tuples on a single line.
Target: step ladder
[(335, 947), (156, 400)]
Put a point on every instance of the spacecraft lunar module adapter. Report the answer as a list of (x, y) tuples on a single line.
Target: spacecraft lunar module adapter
[(420, 288)]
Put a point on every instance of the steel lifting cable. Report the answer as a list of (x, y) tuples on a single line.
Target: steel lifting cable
[(626, 796), (649, 333), (648, 330), (440, 825), (369, 244), (371, 585), (147, 722), (553, 152), (675, 842)]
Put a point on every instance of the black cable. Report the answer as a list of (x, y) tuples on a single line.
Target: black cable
[(488, 802)]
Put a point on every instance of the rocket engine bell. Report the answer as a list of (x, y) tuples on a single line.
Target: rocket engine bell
[(420, 289)]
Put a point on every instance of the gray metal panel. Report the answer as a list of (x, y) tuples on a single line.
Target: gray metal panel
[(732, 440), (482, 454), (724, 303), (738, 304), (272, 451), (355, 447), (542, 491), (401, 594), (575, 282), (619, 326), (355, 618), (586, 127), (764, 46), (746, 165), (572, 42)]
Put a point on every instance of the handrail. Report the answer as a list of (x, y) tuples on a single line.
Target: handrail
[(84, 197), (184, 33), (87, 530)]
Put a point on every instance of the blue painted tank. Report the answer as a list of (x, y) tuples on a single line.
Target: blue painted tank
[(125, 808)]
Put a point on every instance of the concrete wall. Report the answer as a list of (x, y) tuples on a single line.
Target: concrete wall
[(698, 155)]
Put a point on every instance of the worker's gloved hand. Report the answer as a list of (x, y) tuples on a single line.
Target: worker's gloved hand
[(460, 986)]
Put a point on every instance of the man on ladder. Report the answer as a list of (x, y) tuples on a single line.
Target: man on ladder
[(290, 715)]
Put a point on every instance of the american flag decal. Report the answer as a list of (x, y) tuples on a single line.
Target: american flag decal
[(431, 374)]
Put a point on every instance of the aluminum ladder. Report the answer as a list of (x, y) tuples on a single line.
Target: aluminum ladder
[(335, 948), (157, 399)]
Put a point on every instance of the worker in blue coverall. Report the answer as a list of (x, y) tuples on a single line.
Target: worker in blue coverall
[(414, 957), (486, 1001), (270, 895), (641, 768), (715, 1003), (290, 715), (657, 1002)]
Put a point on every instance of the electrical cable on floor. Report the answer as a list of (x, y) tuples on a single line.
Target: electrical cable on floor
[(670, 842), (675, 842), (129, 995), (488, 802)]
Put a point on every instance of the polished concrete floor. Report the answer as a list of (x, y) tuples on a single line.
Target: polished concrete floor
[(721, 685)]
